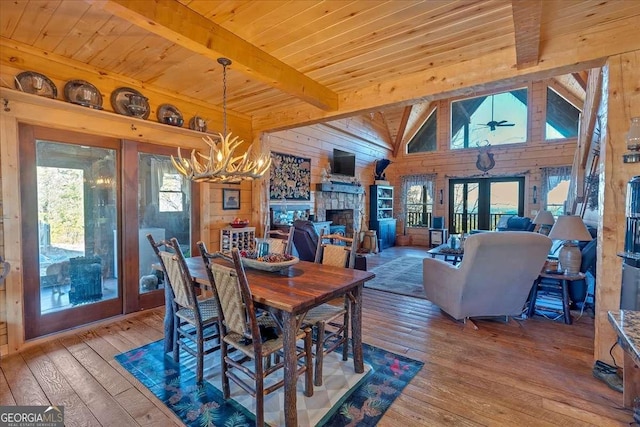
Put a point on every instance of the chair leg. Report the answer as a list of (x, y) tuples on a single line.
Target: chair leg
[(319, 354), (259, 373), (308, 374), (176, 339), (345, 336), (200, 354), (226, 391)]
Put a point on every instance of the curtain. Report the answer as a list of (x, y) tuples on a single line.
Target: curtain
[(551, 177), (407, 181)]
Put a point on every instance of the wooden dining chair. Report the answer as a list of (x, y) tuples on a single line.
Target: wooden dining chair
[(331, 320), (195, 319), (280, 242), (243, 330)]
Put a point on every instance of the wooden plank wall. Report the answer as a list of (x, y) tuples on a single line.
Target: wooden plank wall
[(515, 159), (621, 99), (356, 135)]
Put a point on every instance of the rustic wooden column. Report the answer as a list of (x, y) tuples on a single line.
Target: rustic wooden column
[(621, 95)]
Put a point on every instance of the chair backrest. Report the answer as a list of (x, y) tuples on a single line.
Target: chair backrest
[(498, 270), (233, 296), (305, 238), (175, 271), (279, 241), (336, 250)]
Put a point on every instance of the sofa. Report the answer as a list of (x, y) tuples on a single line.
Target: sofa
[(515, 223), (494, 278)]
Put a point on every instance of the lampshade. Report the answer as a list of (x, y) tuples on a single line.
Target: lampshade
[(570, 228), (544, 218)]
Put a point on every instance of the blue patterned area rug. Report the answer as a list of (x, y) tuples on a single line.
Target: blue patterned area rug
[(346, 398)]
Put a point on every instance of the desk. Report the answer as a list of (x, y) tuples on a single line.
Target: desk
[(563, 285), (288, 295), (626, 323), (447, 252)]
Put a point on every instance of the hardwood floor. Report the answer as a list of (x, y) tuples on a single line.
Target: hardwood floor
[(531, 373)]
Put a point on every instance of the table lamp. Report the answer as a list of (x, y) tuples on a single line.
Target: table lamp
[(570, 228), (545, 220)]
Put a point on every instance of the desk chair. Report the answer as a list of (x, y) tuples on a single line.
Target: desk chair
[(336, 313), (244, 331), (195, 319)]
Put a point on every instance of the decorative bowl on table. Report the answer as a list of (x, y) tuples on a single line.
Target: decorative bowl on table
[(269, 262), (239, 224)]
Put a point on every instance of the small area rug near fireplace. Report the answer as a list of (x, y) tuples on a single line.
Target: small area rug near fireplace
[(345, 397), (402, 276)]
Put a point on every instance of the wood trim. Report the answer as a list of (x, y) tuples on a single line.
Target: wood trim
[(401, 129)]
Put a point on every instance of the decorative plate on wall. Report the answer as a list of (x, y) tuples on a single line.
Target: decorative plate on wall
[(130, 102), (198, 123), (169, 115), (36, 83), (83, 93)]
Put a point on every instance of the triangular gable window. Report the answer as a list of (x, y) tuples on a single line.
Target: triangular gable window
[(563, 118), (425, 139)]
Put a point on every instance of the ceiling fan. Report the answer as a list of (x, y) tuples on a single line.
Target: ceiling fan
[(493, 124)]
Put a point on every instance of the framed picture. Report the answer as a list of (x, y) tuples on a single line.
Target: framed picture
[(230, 198)]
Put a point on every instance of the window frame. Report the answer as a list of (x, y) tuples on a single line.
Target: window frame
[(528, 113)]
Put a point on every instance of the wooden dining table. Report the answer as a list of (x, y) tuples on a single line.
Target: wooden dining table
[(288, 294)]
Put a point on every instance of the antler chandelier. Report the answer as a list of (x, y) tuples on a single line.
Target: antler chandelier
[(221, 165)]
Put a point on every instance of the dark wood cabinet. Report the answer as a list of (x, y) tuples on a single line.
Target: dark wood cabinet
[(381, 214)]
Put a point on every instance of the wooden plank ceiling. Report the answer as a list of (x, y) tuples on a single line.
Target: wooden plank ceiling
[(304, 61)]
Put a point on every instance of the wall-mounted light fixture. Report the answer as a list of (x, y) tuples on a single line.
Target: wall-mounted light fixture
[(535, 194), (441, 196)]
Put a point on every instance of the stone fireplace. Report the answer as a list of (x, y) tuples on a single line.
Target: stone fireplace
[(341, 217), (341, 204)]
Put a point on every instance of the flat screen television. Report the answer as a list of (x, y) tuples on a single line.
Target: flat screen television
[(343, 163)]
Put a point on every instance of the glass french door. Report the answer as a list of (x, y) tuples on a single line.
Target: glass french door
[(478, 204), (87, 205), (164, 202), (70, 214)]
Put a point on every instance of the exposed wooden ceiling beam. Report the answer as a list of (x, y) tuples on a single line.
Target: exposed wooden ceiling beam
[(526, 22), (175, 22), (565, 54), (403, 126), (581, 79)]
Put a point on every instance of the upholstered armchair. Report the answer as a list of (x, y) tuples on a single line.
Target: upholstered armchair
[(494, 277)]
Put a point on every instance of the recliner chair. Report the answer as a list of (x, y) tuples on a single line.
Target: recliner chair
[(494, 277), (305, 239)]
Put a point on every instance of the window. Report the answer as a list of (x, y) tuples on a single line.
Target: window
[(497, 119), (170, 196), (555, 188), (426, 138), (563, 118), (417, 194)]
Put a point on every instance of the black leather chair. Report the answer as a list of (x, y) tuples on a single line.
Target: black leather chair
[(305, 239), (579, 288)]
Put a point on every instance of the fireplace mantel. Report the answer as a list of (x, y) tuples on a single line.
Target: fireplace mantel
[(337, 187)]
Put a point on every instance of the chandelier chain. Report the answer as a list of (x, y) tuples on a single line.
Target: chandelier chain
[(224, 98), (221, 164)]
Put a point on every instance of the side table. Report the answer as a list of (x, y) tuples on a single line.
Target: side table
[(560, 284)]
